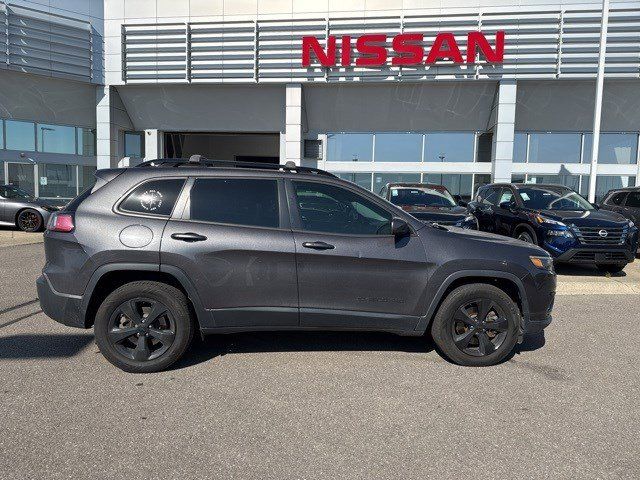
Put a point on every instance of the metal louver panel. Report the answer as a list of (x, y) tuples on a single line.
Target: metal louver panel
[(313, 149), (539, 44), (47, 44)]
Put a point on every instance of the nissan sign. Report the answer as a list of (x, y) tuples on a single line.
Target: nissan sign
[(407, 49)]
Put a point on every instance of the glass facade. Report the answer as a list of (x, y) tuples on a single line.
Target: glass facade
[(398, 147), (614, 148), (350, 147), (381, 179), (449, 147), (520, 148), (554, 147), (361, 179), (134, 144), (604, 183), (60, 179), (457, 184)]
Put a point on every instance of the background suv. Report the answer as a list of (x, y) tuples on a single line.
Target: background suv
[(559, 220), (156, 252), (625, 201), (430, 202)]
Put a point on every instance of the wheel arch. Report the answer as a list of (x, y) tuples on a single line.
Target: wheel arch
[(507, 282), (22, 209), (109, 277), (525, 226)]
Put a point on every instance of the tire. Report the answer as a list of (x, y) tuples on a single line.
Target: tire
[(29, 220), (526, 236), (503, 316), (611, 268), (135, 344)]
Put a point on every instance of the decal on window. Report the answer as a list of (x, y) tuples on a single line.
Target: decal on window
[(151, 200)]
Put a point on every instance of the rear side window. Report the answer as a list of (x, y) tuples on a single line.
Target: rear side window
[(155, 197), (616, 198), (237, 201)]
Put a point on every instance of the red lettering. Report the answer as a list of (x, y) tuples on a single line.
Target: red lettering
[(402, 45), (377, 54), (477, 39), (345, 51), (311, 44), (445, 46)]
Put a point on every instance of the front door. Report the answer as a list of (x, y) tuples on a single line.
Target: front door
[(505, 217), (352, 273), (234, 242)]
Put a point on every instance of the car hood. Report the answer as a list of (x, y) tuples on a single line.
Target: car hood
[(435, 214), (590, 218)]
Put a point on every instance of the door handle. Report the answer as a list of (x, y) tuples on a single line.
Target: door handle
[(188, 237), (318, 245)]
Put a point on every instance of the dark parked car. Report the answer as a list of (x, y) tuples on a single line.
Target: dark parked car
[(154, 253), (429, 202), (20, 209), (625, 201), (559, 220)]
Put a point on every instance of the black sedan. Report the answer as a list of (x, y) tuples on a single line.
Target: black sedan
[(18, 208), (430, 203)]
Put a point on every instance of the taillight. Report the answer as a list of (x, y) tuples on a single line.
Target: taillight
[(61, 222)]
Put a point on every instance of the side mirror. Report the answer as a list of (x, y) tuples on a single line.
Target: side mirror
[(595, 205), (508, 205), (459, 200), (400, 228)]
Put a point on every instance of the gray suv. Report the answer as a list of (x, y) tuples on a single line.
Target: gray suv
[(155, 253)]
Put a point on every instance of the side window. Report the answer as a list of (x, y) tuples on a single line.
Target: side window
[(155, 197), (633, 200), (505, 196), (327, 208), (616, 198), (236, 201), (491, 196)]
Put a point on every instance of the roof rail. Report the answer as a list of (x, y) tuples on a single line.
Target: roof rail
[(199, 160)]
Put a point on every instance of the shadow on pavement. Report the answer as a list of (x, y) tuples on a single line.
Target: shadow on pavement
[(531, 342), (259, 342), (42, 346)]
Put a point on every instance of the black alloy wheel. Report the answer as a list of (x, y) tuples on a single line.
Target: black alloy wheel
[(144, 326), (142, 329), (479, 327), (29, 220)]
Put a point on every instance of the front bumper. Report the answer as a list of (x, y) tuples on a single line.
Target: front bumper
[(596, 255), (63, 308)]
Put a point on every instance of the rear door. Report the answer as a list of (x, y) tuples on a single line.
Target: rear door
[(631, 208), (233, 241), (352, 273)]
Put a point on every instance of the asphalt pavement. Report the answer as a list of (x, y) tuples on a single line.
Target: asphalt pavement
[(323, 405)]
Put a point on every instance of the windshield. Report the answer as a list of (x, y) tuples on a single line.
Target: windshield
[(9, 191), (549, 198), (421, 196)]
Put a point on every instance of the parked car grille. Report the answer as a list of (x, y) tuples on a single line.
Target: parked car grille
[(591, 256), (595, 235)]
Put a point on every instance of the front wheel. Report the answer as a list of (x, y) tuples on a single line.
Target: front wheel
[(525, 237), (611, 268), (144, 326), (477, 325), (29, 220)]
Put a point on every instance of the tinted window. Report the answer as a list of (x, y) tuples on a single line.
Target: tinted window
[(238, 201), (327, 208), (505, 196), (491, 196), (155, 197), (633, 200), (551, 198), (616, 198)]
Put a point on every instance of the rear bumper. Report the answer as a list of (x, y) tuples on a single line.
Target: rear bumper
[(63, 308), (596, 255)]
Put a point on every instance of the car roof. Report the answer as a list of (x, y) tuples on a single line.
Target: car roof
[(435, 186), (527, 185)]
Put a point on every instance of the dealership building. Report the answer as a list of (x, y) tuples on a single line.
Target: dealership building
[(392, 90)]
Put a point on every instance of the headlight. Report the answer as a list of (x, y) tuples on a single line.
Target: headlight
[(543, 263), (549, 221), (559, 233)]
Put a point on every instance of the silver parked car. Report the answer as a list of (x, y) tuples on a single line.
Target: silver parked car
[(18, 208)]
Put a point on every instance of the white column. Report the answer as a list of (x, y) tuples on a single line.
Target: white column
[(152, 144), (597, 110), (106, 145), (293, 124), (504, 117)]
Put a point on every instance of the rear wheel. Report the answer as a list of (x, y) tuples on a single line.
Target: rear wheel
[(144, 326), (477, 325), (611, 268), (29, 220)]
